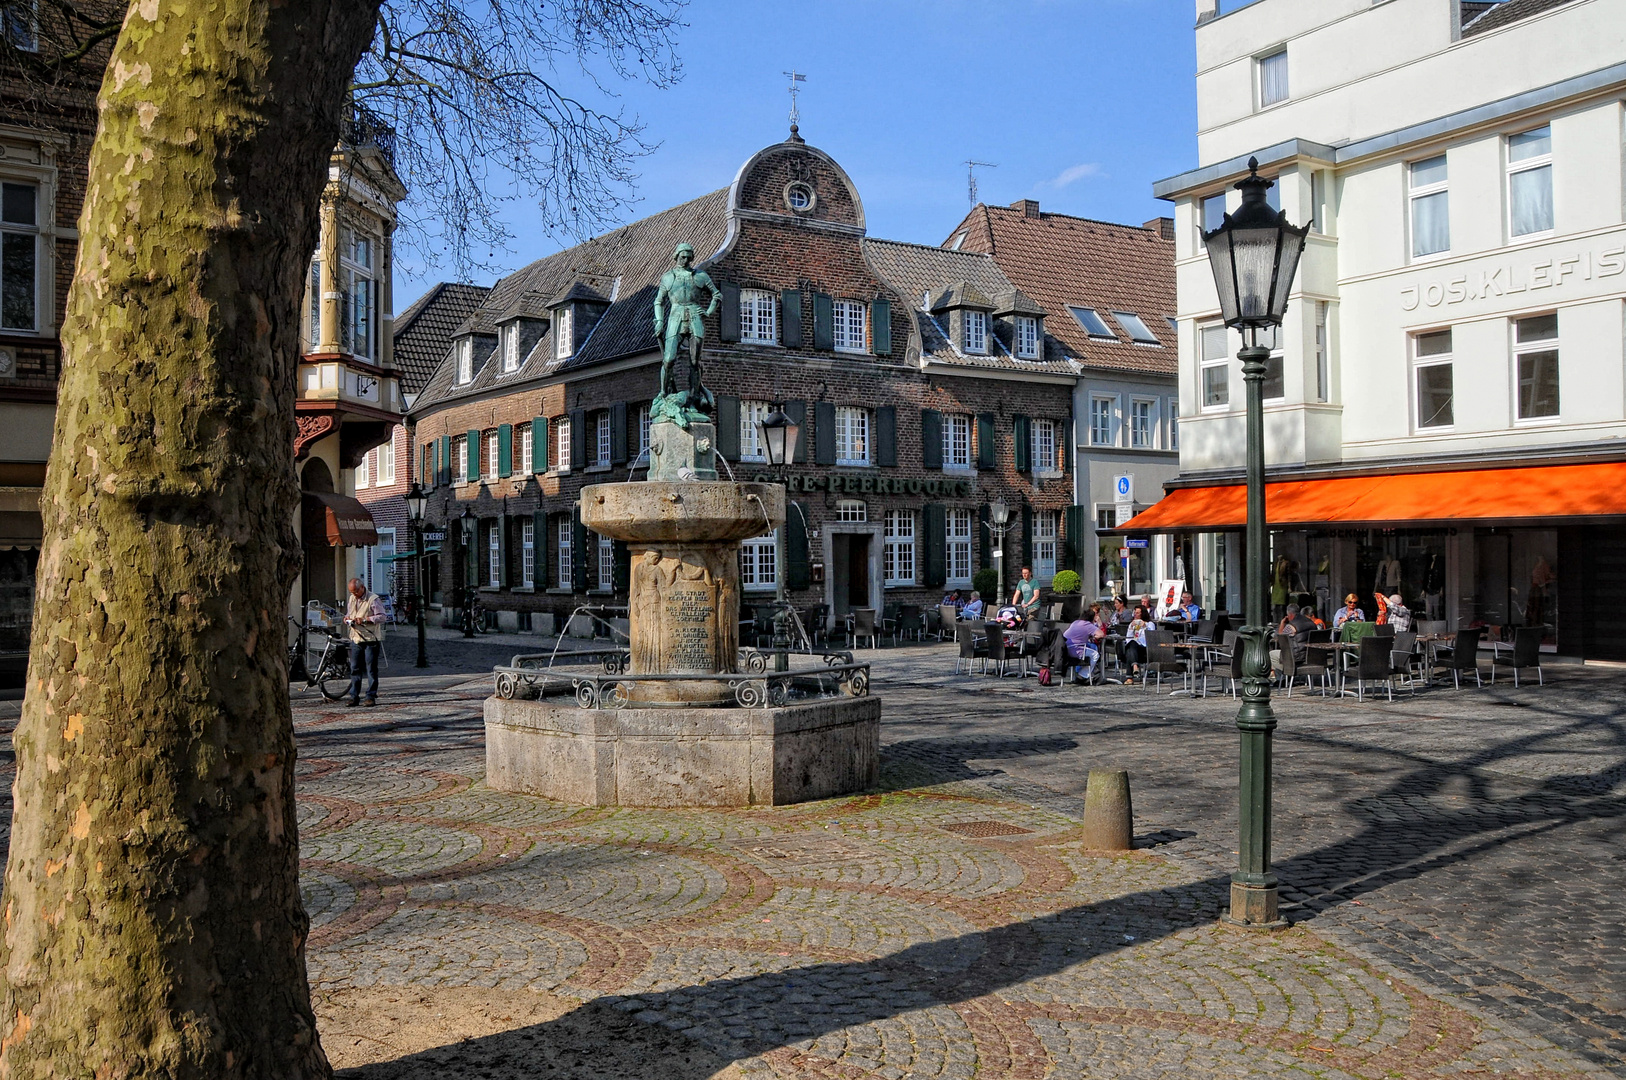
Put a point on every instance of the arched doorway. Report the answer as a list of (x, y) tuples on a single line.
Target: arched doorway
[(319, 581)]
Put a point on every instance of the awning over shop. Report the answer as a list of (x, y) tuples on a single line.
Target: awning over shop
[(339, 521), (400, 556), (1399, 498)]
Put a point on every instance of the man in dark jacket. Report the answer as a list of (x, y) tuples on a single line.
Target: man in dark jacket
[(1294, 627)]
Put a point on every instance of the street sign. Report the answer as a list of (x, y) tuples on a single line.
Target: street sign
[(1137, 543), (1122, 513), (1124, 488), (1123, 553), (432, 536)]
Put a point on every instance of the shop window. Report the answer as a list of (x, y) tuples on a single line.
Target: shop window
[(1431, 357), (19, 254), (752, 413), (565, 571), (1430, 207), (1535, 360), (957, 536), (852, 510), (1215, 359), (527, 549), (850, 316), (606, 563), (1027, 337), (1045, 462), (976, 331), (758, 563), (1045, 542), (899, 553), (759, 317), (956, 441), (852, 435), (1530, 182), (1142, 424)]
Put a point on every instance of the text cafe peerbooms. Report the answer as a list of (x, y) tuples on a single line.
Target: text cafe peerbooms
[(853, 484)]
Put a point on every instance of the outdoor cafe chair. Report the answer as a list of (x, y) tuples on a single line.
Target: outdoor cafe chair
[(1430, 626), (1404, 656), (1462, 656), (1204, 631), (948, 619), (910, 622), (1374, 665), (1526, 654), (864, 626), (1383, 629), (971, 648), (1291, 671), (1160, 658), (998, 653)]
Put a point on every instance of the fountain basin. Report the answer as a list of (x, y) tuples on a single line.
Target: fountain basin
[(683, 511)]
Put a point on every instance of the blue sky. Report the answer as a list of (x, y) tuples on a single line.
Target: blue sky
[(1081, 103)]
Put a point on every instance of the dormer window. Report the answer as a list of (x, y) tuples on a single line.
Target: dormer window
[(564, 332), (976, 331), (465, 361), (1027, 337)]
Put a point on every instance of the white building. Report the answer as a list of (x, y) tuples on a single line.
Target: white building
[(1449, 417)]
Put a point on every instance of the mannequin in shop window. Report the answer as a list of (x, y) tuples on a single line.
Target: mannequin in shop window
[(1388, 575), (1541, 580), (1433, 585)]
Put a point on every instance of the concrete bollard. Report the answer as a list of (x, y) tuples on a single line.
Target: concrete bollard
[(1109, 820)]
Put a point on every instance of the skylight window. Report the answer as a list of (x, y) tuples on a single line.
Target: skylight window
[(1092, 323), (1137, 330)]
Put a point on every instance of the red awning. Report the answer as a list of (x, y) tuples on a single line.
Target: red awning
[(337, 521), (1401, 498)]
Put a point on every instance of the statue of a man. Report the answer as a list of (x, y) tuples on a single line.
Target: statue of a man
[(678, 314)]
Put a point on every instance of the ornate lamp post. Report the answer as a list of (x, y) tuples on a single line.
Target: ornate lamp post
[(779, 435), (1254, 254), (999, 523), (417, 502)]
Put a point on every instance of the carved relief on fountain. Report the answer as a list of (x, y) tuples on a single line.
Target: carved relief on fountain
[(684, 605)]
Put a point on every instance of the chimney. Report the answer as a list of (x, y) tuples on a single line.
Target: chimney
[(1029, 207), (1207, 10), (1163, 226)]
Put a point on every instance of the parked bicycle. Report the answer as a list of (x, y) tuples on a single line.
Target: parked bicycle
[(331, 671)]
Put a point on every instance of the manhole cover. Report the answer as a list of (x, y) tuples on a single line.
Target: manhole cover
[(985, 828)]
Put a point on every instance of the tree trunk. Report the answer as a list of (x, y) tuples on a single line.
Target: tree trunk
[(153, 924)]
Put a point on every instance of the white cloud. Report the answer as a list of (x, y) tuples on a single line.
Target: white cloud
[(1072, 174)]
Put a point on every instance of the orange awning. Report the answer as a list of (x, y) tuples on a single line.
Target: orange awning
[(343, 522), (1401, 498)]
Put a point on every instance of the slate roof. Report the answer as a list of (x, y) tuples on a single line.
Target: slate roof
[(422, 330), (1509, 11), (623, 266), (921, 273), (1062, 261)]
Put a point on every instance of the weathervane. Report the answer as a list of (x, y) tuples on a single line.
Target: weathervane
[(971, 178), (795, 114)]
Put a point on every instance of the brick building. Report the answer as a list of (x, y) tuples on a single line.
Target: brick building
[(927, 383)]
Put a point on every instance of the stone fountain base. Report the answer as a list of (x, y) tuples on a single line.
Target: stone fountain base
[(684, 756)]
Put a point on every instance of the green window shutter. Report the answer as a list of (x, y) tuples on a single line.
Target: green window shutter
[(1027, 540), (540, 541), (936, 517), (578, 439), (797, 411), (824, 322), (985, 440), (1073, 541), (880, 321), (539, 444), (824, 433), (886, 435), (790, 318), (728, 426), (1067, 449), (797, 575), (728, 324), (505, 449), (504, 548), (931, 439), (473, 472), (623, 565), (985, 538), (618, 433), (578, 550), (443, 464), (1022, 443)]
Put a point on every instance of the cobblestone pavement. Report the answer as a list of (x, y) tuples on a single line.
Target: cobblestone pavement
[(1452, 866)]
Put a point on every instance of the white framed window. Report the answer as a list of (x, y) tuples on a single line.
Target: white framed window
[(527, 550), (898, 562), (956, 441), (957, 548), (358, 293), (1043, 438), (606, 563), (491, 455), (1093, 324), (752, 413), (976, 331), (1046, 539), (1142, 424), (565, 569), (1530, 182), (494, 552), (852, 510), (22, 25), (759, 563), (1272, 78), (1210, 215), (561, 450), (1174, 423), (1432, 378), (1103, 417), (601, 438), (385, 473), (643, 432), (1323, 362), (850, 316), (527, 450), (381, 563), (564, 332), (463, 460), (1027, 337), (759, 317), (1430, 206), (1214, 358), (852, 435), (465, 360), (1535, 365), (19, 251), (510, 348), (1275, 384), (363, 470)]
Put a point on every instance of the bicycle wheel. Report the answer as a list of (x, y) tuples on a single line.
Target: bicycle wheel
[(334, 678)]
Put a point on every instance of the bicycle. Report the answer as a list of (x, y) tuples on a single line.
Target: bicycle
[(331, 674)]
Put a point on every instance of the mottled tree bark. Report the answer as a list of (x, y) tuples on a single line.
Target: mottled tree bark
[(153, 925)]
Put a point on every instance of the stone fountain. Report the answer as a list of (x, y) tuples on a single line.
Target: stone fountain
[(683, 725)]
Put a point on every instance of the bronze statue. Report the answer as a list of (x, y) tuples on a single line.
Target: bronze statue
[(679, 318)]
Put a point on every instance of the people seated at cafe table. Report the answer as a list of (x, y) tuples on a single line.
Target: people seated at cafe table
[(973, 608), (1295, 627), (953, 597), (1399, 614), (1186, 612), (1350, 612), (1079, 646), (1132, 650)]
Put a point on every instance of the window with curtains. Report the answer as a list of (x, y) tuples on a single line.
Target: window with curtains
[(1045, 543), (759, 317), (850, 316), (1214, 355), (527, 551), (758, 563), (1430, 207), (358, 293), (565, 569), (957, 548), (490, 470), (527, 450), (1027, 337), (1142, 424), (976, 331), (1431, 364), (956, 441), (752, 413), (1273, 78), (1530, 181), (899, 553), (852, 435), (19, 256), (1535, 363), (494, 552), (1045, 461), (606, 563), (1102, 417)]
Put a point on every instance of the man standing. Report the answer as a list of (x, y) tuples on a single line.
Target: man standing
[(364, 616), (1026, 597)]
